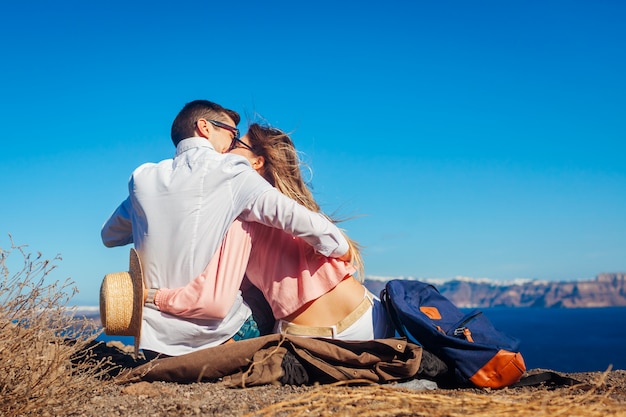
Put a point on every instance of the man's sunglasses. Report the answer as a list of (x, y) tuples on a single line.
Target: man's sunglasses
[(234, 130)]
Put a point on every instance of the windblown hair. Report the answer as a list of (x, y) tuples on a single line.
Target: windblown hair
[(283, 169), (184, 125)]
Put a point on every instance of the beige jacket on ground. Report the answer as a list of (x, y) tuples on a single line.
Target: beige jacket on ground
[(259, 361)]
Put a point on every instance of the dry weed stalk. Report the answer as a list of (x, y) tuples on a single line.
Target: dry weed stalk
[(45, 361), (384, 400)]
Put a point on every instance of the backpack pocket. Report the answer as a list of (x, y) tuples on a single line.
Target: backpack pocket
[(475, 327), (462, 329), (497, 362)]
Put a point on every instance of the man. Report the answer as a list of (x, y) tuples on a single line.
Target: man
[(177, 214)]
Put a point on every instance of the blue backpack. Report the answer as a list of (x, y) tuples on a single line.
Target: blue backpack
[(467, 343)]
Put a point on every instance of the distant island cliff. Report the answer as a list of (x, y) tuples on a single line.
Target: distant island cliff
[(606, 290)]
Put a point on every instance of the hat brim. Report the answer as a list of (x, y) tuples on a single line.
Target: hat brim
[(121, 301), (136, 274)]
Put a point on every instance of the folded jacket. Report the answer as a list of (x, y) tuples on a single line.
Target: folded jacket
[(262, 360)]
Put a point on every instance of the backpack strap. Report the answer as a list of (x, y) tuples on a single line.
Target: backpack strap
[(391, 314), (548, 378)]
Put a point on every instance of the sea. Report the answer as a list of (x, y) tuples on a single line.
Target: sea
[(558, 339), (566, 339)]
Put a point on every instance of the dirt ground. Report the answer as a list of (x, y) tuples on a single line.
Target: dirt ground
[(597, 394)]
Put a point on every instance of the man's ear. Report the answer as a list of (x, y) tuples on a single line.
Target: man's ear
[(203, 129), (258, 163)]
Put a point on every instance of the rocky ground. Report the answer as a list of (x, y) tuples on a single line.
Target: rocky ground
[(598, 394)]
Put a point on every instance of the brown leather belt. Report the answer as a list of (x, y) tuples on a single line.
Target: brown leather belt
[(329, 331)]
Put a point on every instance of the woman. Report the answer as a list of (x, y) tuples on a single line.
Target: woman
[(310, 295)]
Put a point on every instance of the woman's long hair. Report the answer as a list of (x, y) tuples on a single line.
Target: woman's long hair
[(283, 169)]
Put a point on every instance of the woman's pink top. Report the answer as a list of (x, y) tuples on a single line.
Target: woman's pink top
[(286, 269)]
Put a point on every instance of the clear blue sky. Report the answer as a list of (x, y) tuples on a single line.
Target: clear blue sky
[(483, 139)]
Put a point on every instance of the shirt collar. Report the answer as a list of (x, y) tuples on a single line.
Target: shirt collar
[(193, 142)]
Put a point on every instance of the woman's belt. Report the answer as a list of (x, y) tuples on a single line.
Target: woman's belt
[(286, 327)]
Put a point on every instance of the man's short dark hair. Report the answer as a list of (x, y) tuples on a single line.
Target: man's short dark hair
[(184, 125)]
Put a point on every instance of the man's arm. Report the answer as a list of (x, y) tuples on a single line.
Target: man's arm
[(274, 209), (118, 229)]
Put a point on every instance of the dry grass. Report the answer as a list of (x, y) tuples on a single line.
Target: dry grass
[(381, 400), (45, 362)]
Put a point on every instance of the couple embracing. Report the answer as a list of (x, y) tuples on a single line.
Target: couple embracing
[(230, 213)]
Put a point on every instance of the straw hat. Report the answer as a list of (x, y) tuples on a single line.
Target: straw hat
[(121, 301)]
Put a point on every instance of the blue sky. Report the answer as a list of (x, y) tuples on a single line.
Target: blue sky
[(483, 139)]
